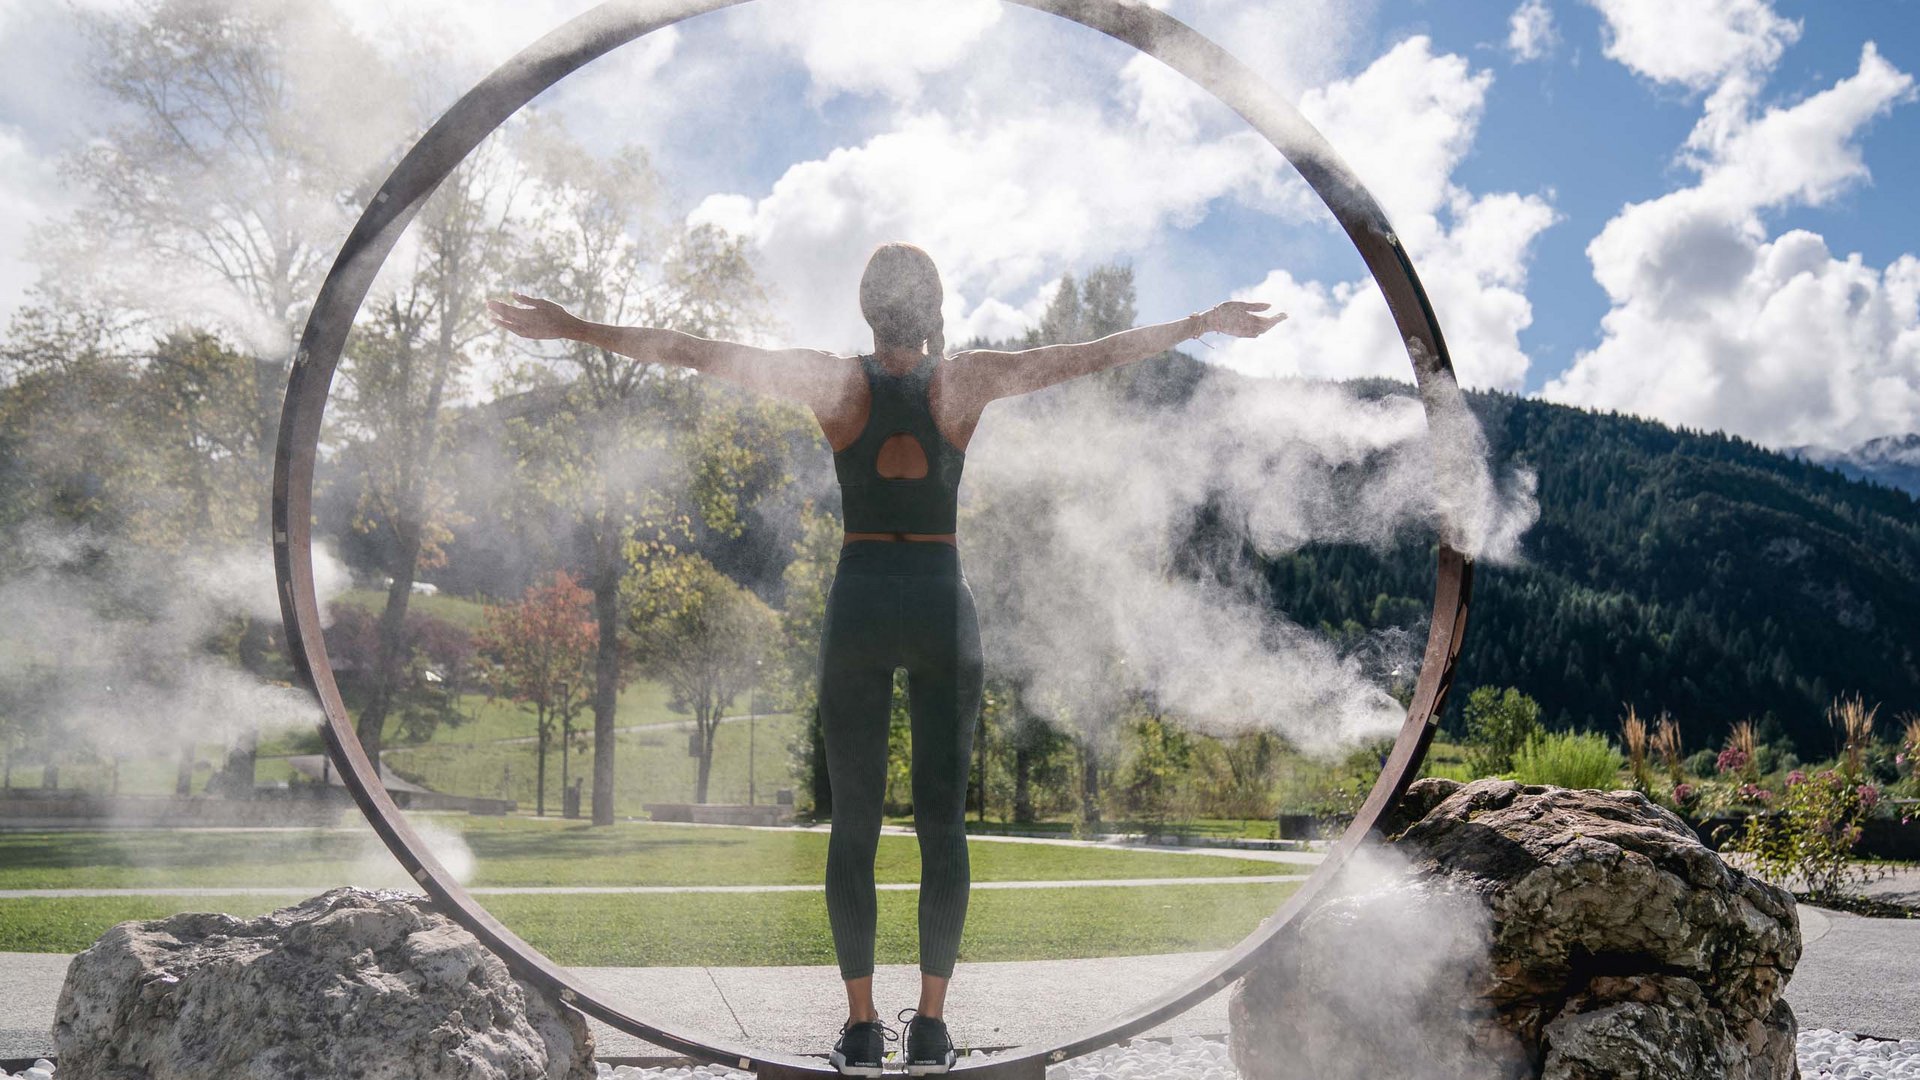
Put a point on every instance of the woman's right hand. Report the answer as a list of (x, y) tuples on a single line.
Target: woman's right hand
[(539, 320)]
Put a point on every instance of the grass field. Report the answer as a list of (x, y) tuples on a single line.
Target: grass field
[(522, 851), (645, 929), (756, 929)]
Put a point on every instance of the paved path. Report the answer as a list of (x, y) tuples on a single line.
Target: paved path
[(1855, 975), (585, 890)]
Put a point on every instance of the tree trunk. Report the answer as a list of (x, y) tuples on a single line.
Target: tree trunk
[(566, 744), (410, 510), (1090, 784), (256, 642), (540, 777), (183, 777), (606, 668), (1022, 785), (817, 776), (704, 723)]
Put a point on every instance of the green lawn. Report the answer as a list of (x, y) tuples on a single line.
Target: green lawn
[(757, 929), (649, 766), (525, 851), (699, 928)]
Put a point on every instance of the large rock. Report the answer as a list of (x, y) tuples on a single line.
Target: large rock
[(351, 983), (1512, 931)]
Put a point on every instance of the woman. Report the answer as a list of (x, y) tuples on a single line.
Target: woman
[(898, 422)]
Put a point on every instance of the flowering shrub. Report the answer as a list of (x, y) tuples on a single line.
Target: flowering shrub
[(1754, 793), (1809, 838), (1731, 760)]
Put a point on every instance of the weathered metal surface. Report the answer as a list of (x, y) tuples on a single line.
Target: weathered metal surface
[(617, 23)]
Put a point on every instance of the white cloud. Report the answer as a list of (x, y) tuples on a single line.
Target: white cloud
[(1004, 203), (1716, 325), (1404, 124), (31, 191), (1295, 46), (1000, 206), (858, 46), (1530, 33), (1695, 43)]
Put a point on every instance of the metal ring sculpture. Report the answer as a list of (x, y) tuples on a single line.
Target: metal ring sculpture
[(448, 142)]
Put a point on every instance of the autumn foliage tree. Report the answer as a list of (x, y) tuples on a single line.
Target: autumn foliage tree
[(542, 650)]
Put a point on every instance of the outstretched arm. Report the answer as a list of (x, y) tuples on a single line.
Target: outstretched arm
[(809, 376), (986, 374)]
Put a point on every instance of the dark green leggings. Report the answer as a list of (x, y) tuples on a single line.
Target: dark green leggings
[(898, 604)]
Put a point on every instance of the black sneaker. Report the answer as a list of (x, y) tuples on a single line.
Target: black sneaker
[(929, 1048), (862, 1048)]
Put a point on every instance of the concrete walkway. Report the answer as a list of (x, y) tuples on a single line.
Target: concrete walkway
[(1855, 975)]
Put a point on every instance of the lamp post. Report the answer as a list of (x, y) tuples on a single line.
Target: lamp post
[(753, 720)]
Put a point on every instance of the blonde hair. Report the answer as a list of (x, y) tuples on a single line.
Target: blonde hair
[(900, 296)]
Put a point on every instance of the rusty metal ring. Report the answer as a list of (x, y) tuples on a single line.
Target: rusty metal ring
[(476, 115)]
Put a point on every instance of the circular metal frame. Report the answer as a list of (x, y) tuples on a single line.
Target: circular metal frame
[(483, 109)]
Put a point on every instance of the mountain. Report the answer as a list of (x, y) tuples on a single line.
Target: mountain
[(1677, 570), (1893, 460)]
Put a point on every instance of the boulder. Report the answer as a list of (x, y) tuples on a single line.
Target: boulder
[(1520, 932), (370, 984)]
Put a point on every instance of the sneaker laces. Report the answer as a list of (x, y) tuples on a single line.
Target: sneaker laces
[(905, 1020), (885, 1031)]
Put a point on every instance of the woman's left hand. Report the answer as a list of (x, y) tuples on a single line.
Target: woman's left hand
[(1236, 317)]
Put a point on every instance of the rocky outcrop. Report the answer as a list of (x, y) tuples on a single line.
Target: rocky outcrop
[(369, 984), (1513, 931)]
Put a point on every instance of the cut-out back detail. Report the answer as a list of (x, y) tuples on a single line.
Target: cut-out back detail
[(909, 495), (901, 458)]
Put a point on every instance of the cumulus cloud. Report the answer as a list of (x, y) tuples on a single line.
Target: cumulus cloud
[(1004, 203), (1530, 32), (999, 204), (1696, 44), (1404, 124), (1715, 323), (856, 46)]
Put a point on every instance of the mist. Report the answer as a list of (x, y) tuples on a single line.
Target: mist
[(112, 641), (1097, 580)]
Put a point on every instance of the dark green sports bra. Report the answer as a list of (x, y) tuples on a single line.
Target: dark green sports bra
[(870, 502)]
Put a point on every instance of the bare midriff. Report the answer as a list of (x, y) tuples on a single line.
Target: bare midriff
[(937, 538)]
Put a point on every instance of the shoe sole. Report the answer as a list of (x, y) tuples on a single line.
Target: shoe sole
[(923, 1069), (839, 1062)]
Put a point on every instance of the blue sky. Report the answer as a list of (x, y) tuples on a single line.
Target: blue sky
[(1765, 149)]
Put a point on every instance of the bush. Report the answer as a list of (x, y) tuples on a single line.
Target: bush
[(1810, 838), (1499, 722), (1570, 760)]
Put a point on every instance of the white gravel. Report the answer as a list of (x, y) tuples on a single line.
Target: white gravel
[(1824, 1055), (1840, 1055)]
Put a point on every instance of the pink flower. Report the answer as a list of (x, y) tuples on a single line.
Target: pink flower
[(1682, 792), (1755, 793), (1732, 759), (1796, 777), (1869, 795)]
